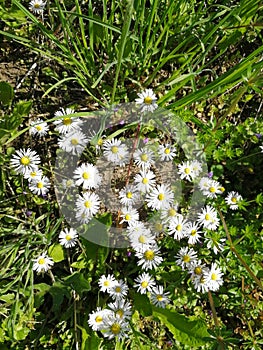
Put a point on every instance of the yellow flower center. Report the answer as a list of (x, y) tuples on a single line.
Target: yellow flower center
[(145, 181), (39, 127), (106, 283), (87, 204), (69, 183), (40, 185), (25, 160), (120, 313), (187, 170), (158, 226), (68, 237), (100, 142), (86, 175), (41, 261), (74, 142), (179, 227), (99, 319), (33, 174), (186, 259), (127, 217), (159, 297), (144, 284), (144, 157), (212, 189), (142, 239), (114, 149), (167, 150), (207, 217), (67, 121), (222, 189), (171, 212), (37, 6), (161, 197), (233, 199), (193, 232), (115, 328), (148, 100), (214, 277), (198, 270), (149, 255), (129, 195), (118, 289)]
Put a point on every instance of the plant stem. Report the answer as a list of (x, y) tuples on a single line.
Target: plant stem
[(124, 34), (211, 301), (233, 249)]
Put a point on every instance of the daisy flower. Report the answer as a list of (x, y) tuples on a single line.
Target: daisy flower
[(145, 283), (43, 263), (213, 277), (197, 168), (33, 174), (147, 100), (141, 240), (169, 213), (158, 297), (177, 226), (115, 151), (197, 269), (129, 215), (83, 217), (128, 195), (88, 204), (25, 160), (204, 184), (106, 283), (38, 128), (119, 290), (88, 176), (74, 142), (40, 186), (213, 189), (208, 218), (200, 284), (116, 327), (121, 309), (68, 238), (67, 183), (166, 152), (185, 257), (192, 232), (144, 158), (232, 199), (37, 6), (186, 171), (67, 124), (150, 258), (261, 147), (98, 317), (161, 197), (144, 181), (213, 241)]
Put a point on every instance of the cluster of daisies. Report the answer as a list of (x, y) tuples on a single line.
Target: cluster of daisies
[(142, 190), (113, 321)]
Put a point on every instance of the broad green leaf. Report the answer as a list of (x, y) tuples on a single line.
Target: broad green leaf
[(89, 341), (56, 252), (58, 291), (22, 108), (77, 282), (192, 332), (142, 304), (6, 93)]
